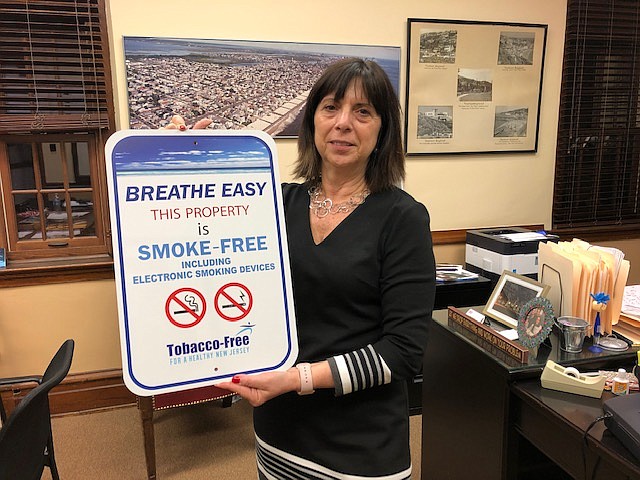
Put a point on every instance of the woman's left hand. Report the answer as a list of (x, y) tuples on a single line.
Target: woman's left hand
[(260, 388)]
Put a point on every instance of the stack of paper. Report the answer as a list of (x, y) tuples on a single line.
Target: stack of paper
[(629, 323), (447, 272), (575, 270)]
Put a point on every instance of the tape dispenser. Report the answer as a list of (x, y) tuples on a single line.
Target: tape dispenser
[(570, 380)]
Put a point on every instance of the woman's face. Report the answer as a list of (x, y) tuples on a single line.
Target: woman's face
[(346, 131)]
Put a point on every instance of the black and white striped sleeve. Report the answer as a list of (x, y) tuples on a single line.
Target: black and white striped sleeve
[(358, 370)]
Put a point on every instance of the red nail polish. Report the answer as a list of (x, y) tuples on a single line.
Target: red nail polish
[(182, 128), (235, 379)]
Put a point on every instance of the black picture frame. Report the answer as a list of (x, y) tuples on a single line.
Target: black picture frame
[(473, 87)]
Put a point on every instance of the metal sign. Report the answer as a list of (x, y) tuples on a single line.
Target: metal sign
[(200, 256)]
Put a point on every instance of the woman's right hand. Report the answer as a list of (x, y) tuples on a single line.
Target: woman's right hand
[(178, 123), (259, 388)]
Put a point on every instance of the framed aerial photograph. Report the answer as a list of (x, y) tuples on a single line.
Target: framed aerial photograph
[(509, 295), (239, 84), (473, 87)]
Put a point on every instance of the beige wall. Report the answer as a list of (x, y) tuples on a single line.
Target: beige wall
[(34, 321), (461, 192), (506, 189)]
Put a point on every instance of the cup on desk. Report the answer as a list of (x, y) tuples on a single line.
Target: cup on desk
[(572, 333)]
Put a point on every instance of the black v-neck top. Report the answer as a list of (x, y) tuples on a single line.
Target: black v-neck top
[(363, 300)]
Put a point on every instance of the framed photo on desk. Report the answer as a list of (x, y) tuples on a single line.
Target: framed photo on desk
[(535, 322), (510, 294)]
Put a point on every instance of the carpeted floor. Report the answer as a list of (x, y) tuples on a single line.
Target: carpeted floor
[(196, 442)]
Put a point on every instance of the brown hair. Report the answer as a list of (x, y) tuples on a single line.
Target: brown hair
[(385, 167)]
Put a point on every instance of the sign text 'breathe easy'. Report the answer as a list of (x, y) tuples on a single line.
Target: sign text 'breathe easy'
[(155, 193)]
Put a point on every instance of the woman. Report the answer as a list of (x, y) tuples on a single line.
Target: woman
[(534, 322), (363, 277)]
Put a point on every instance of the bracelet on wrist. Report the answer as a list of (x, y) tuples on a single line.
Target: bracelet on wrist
[(306, 379)]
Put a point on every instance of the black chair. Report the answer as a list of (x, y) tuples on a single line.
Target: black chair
[(26, 442)]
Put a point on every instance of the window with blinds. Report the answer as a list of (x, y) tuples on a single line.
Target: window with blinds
[(597, 176), (54, 67), (56, 112)]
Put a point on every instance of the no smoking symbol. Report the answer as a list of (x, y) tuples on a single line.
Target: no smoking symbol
[(185, 307), (233, 301)]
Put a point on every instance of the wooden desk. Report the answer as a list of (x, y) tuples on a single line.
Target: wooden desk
[(555, 422), (466, 403), (464, 293)]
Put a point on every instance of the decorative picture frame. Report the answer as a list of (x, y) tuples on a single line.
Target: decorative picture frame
[(239, 84), (473, 87), (511, 293), (535, 322)]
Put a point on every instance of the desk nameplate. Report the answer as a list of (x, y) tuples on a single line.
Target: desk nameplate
[(487, 334)]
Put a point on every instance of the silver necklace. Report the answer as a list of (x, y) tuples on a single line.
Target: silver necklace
[(322, 206)]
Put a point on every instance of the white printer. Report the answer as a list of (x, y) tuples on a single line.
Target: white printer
[(490, 251)]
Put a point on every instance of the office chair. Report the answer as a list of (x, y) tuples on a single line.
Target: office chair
[(26, 442)]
